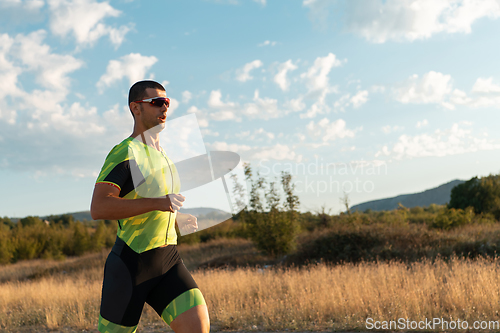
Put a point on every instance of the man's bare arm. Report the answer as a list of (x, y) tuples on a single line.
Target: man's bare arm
[(106, 204)]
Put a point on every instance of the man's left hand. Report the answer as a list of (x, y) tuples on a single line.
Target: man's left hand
[(187, 223)]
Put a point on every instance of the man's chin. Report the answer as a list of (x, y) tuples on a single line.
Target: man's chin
[(157, 129)]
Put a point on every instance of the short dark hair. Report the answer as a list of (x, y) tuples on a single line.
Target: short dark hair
[(138, 90)]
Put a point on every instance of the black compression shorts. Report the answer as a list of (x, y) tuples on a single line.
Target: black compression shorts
[(157, 277)]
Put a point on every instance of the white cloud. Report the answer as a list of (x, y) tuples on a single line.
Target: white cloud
[(278, 152), (352, 148), (117, 36), (215, 101), (486, 101), (317, 82), (280, 78), (222, 110), (118, 121), (200, 116), (320, 106), (262, 2), (83, 19), (242, 135), (9, 72), (382, 20), (209, 132), (52, 69), (78, 121), (40, 119), (133, 66), (257, 135), (267, 43), (485, 86), (7, 114), (433, 87), (186, 96), (27, 54), (459, 97), (174, 104), (316, 76), (330, 131), (389, 129), (377, 89), (248, 153), (342, 102), (422, 123), (243, 74), (319, 11), (262, 108), (485, 94), (360, 98), (221, 145), (296, 104), (453, 141)]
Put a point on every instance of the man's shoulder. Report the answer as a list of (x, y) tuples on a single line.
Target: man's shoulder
[(121, 150)]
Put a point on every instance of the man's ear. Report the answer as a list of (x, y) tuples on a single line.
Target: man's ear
[(134, 107)]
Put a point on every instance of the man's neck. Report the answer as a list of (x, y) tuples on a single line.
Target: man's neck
[(148, 138)]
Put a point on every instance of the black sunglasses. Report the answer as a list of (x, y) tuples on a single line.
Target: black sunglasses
[(156, 101)]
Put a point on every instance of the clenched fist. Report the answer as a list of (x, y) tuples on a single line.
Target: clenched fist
[(172, 202)]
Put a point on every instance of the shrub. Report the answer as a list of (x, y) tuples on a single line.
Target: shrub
[(451, 217), (6, 246)]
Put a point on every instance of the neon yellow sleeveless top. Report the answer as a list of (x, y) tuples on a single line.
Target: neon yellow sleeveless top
[(141, 171)]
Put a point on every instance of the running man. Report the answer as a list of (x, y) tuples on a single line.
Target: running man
[(144, 265)]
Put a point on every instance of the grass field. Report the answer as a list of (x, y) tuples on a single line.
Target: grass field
[(66, 294)]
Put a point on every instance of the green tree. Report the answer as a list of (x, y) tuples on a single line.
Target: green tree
[(274, 230), (7, 223), (239, 193), (98, 238), (483, 194), (80, 240), (30, 220)]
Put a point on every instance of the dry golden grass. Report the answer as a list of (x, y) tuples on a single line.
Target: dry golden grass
[(342, 297), (196, 254), (313, 298)]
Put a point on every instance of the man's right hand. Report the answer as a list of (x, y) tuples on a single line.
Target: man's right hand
[(172, 202)]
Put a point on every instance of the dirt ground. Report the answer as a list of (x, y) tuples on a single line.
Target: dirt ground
[(144, 329)]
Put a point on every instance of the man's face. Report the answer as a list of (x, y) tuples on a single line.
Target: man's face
[(150, 115)]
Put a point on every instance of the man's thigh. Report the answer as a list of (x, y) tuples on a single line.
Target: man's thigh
[(175, 294), (122, 301)]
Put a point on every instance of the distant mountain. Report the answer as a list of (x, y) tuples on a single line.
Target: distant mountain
[(199, 212), (439, 195)]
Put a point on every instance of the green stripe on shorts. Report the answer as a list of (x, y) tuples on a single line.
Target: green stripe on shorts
[(182, 303), (105, 326)]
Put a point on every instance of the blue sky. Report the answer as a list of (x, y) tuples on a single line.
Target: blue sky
[(368, 97)]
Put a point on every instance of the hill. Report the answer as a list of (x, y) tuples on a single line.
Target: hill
[(200, 212), (439, 195)]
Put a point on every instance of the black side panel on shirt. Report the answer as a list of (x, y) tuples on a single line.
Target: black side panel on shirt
[(121, 176)]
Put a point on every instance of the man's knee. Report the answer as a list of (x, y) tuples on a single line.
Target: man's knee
[(194, 320)]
